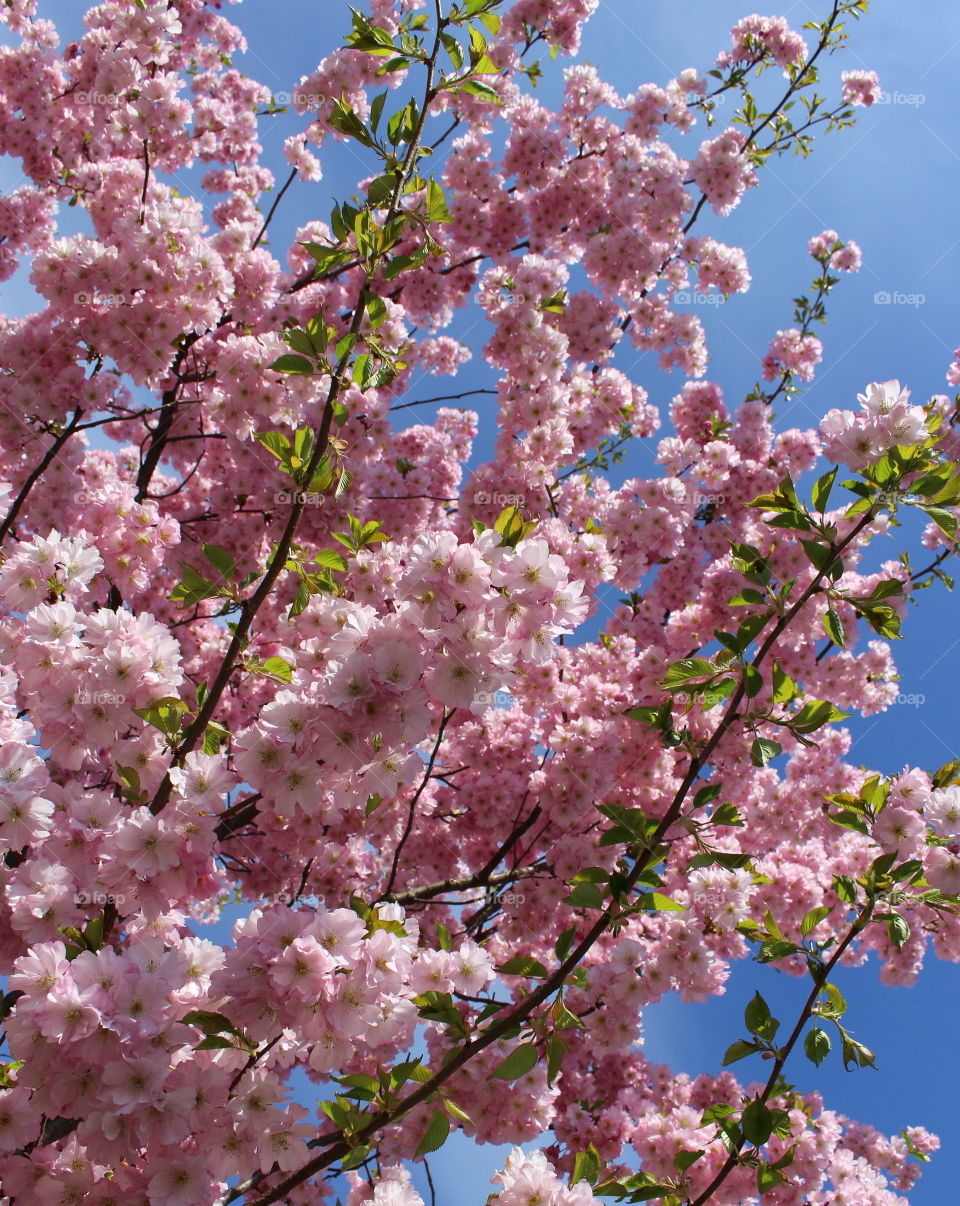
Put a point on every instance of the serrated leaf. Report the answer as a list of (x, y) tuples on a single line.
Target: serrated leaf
[(586, 1166), (585, 896), (684, 1160), (556, 1049), (660, 903), (763, 750), (739, 1050), (687, 670), (822, 487), (757, 1123), (816, 1045), (435, 1135), (834, 628), (813, 918), (518, 1063), (523, 965), (221, 559), (898, 930), (278, 668), (291, 362), (483, 91)]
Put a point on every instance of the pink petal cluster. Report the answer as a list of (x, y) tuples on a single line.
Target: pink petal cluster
[(860, 88)]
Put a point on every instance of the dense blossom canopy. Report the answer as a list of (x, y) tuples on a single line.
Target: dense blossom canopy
[(267, 638)]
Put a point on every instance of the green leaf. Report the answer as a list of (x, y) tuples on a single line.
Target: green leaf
[(585, 896), (275, 442), (376, 109), (564, 944), (564, 1019), (278, 668), (221, 559), (659, 903), (512, 527), (290, 362), (93, 933), (947, 774), (586, 1166), (214, 736), (556, 1049), (342, 118), (768, 1177), (687, 670), (784, 688), (129, 778), (475, 88), (834, 628), (209, 1022), (814, 715), (816, 1045), (759, 1020), (898, 930), (435, 1135), (739, 1050), (331, 559), (523, 965), (757, 1123), (752, 680), (684, 1160), (164, 714), (518, 1063), (193, 588), (455, 1111), (717, 692), (726, 814), (453, 49), (437, 203), (214, 1042), (822, 487), (777, 948), (946, 521), (821, 555), (836, 1004), (813, 919), (763, 750)]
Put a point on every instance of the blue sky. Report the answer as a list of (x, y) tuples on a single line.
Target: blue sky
[(890, 184)]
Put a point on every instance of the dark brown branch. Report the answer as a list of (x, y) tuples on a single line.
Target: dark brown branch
[(36, 473)]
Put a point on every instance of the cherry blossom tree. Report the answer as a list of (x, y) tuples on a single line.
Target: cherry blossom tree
[(268, 639)]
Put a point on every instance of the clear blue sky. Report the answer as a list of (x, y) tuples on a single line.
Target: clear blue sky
[(891, 185)]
